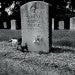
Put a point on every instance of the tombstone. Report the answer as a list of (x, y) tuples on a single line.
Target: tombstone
[(52, 23), (5, 25), (72, 23), (61, 24), (13, 24), (35, 26)]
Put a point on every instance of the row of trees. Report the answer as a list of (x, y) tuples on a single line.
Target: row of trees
[(11, 8)]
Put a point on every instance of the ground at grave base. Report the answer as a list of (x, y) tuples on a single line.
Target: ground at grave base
[(14, 62)]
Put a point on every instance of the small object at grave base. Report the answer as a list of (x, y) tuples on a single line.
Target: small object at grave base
[(25, 48)]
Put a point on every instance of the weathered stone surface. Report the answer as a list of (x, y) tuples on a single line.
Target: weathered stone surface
[(35, 25), (72, 23), (13, 24)]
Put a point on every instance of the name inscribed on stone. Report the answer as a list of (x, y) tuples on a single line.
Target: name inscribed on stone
[(34, 18)]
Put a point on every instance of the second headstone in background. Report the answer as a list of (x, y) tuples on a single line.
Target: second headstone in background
[(13, 24), (5, 25)]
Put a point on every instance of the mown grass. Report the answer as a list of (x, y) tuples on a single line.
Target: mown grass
[(6, 34), (59, 37), (14, 62), (63, 38)]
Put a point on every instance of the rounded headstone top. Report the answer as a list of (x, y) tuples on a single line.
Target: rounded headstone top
[(34, 3)]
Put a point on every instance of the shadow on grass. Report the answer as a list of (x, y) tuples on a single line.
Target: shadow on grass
[(54, 50), (60, 50)]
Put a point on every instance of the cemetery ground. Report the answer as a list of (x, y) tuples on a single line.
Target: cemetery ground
[(15, 62)]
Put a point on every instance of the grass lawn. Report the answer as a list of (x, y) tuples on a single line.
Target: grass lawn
[(6, 34), (63, 38), (14, 62), (59, 37)]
